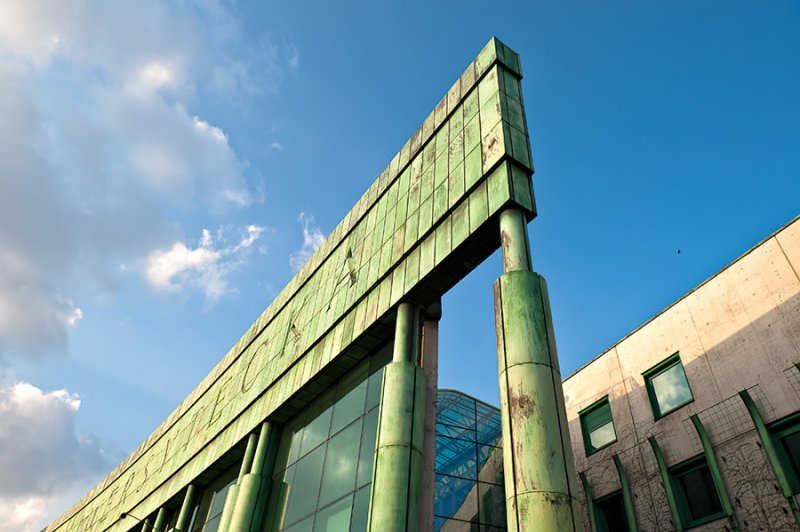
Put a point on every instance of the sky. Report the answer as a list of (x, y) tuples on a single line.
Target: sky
[(166, 167)]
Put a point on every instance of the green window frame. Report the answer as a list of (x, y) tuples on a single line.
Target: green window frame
[(698, 473), (669, 368), (612, 501), (782, 432), (595, 418)]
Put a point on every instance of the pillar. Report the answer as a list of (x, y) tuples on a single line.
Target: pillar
[(627, 498), (666, 483), (716, 474), (185, 514), (233, 491), (397, 476), (147, 526), (540, 480), (430, 365), (254, 486), (161, 520)]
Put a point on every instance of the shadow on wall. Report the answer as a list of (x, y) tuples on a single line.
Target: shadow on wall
[(759, 357)]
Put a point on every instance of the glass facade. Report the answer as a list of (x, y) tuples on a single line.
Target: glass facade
[(327, 455), (469, 493)]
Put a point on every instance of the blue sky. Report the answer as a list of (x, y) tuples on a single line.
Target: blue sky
[(165, 165)]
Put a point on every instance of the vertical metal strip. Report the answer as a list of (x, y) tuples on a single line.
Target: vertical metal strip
[(587, 491), (667, 483), (716, 474), (630, 511)]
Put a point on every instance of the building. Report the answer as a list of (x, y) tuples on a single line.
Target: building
[(693, 419), (322, 416)]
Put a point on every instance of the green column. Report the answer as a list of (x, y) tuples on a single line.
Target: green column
[(772, 456), (630, 513), (233, 491), (185, 514), (161, 520), (539, 469), (587, 492), (146, 525), (254, 486), (665, 481), (716, 474), (397, 476)]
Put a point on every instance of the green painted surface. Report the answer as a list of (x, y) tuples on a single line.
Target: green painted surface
[(627, 497), (587, 493), (395, 243), (716, 474), (539, 470), (186, 509), (666, 482)]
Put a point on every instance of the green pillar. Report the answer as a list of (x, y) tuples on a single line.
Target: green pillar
[(587, 492), (630, 513), (397, 476), (716, 474), (233, 491), (254, 486), (185, 514), (147, 526), (665, 481), (772, 456), (539, 469), (161, 520)]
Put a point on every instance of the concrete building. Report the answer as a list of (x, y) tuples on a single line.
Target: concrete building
[(693, 419)]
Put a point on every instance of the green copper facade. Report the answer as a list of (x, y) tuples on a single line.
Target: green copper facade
[(457, 189)]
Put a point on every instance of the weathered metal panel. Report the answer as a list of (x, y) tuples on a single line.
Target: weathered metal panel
[(366, 265)]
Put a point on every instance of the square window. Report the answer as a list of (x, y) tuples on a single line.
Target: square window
[(695, 492), (597, 426), (786, 435), (667, 386), (611, 513)]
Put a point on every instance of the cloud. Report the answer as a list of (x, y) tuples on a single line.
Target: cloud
[(204, 268), (312, 240), (45, 463), (102, 150), (277, 146)]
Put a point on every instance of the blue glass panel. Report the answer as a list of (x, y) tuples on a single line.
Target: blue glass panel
[(455, 497), (455, 409), (366, 455), (456, 457), (316, 432), (488, 424), (490, 464), (303, 526), (455, 432), (349, 407), (303, 493)]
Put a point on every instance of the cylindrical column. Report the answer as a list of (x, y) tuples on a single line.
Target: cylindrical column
[(247, 512), (147, 526), (430, 364), (233, 491), (397, 476), (186, 509), (161, 520), (514, 241), (541, 490)]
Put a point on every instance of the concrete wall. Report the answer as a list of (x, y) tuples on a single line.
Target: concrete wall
[(738, 330)]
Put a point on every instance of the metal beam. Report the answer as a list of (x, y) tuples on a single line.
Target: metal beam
[(587, 492), (630, 512), (665, 481), (716, 474), (781, 476)]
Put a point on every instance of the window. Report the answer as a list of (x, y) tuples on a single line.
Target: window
[(695, 492), (611, 513), (786, 434), (667, 386), (597, 426)]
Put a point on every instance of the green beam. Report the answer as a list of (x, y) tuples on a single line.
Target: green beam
[(186, 509), (630, 512), (147, 526), (233, 491), (587, 491), (253, 490), (540, 477), (397, 475), (772, 455), (665, 481), (161, 520), (716, 474)]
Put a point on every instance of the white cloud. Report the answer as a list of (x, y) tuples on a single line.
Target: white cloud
[(277, 146), (203, 268), (312, 240), (45, 463), (100, 145)]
